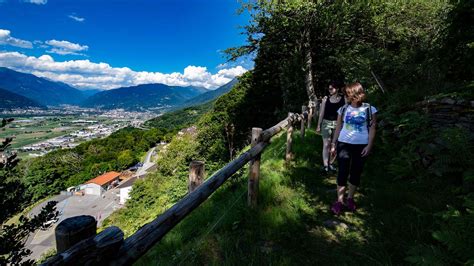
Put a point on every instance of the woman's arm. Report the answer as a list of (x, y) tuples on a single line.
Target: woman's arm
[(321, 114), (336, 133), (372, 131)]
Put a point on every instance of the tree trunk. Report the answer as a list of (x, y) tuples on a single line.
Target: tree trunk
[(308, 66)]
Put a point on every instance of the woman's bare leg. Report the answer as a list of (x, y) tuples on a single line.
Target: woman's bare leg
[(326, 146), (340, 193), (352, 190)]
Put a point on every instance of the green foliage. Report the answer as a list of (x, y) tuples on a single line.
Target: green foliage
[(410, 132), (11, 188), (224, 130), (454, 238), (457, 44), (45, 256), (174, 121), (179, 153), (13, 236), (149, 198), (160, 190), (454, 153)]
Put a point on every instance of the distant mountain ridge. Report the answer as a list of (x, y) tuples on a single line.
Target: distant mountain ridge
[(40, 90), (10, 100), (143, 97), (89, 92)]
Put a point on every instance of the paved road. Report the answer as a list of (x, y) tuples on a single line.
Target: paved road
[(98, 207), (147, 164)]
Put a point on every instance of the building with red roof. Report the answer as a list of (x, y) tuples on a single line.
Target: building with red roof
[(100, 184)]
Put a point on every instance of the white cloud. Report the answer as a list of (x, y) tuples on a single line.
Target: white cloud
[(76, 18), (37, 2), (87, 74), (7, 39), (65, 47)]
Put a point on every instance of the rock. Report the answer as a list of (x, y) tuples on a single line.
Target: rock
[(461, 102), (472, 103), (334, 223), (448, 101)]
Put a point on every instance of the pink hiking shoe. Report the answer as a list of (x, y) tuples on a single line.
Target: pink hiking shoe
[(337, 207), (351, 204)]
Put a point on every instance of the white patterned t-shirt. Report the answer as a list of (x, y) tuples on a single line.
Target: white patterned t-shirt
[(354, 127)]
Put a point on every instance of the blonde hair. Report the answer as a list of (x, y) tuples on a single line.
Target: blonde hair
[(355, 92)]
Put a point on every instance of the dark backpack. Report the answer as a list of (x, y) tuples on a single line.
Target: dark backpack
[(368, 116)]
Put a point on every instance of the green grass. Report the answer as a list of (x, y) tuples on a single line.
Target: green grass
[(288, 227)]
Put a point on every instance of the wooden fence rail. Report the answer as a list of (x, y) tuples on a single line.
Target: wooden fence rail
[(109, 247)]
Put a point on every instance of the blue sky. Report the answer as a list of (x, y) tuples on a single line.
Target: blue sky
[(66, 40)]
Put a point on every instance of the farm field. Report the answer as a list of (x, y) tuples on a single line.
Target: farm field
[(30, 130)]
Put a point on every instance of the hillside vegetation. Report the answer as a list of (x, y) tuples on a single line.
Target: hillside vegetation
[(179, 119), (293, 224), (416, 199)]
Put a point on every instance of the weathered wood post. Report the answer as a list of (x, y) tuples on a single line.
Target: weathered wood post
[(73, 230), (254, 170), (97, 250), (310, 113), (289, 140), (303, 122), (196, 175)]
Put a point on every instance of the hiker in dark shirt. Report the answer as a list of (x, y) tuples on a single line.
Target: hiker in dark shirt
[(327, 121)]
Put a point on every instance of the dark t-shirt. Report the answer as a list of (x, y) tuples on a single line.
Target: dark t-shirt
[(330, 110)]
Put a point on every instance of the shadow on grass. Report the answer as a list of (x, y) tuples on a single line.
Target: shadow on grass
[(288, 226)]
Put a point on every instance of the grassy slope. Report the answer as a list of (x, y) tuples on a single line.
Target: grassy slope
[(288, 226)]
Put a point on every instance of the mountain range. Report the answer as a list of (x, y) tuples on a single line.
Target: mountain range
[(142, 97), (22, 90), (10, 100), (40, 90), (210, 95)]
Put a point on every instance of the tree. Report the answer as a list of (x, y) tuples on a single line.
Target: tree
[(12, 237)]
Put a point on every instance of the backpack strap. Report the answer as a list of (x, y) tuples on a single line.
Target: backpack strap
[(343, 112), (368, 117)]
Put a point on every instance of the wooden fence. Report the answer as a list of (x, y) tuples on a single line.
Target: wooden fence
[(77, 244)]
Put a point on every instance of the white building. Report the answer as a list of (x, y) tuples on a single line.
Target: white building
[(92, 189)]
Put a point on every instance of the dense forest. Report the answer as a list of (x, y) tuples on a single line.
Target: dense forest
[(404, 53)]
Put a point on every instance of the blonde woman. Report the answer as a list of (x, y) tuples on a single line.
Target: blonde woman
[(353, 141), (327, 121)]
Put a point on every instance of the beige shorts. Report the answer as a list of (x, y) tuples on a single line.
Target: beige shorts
[(327, 128)]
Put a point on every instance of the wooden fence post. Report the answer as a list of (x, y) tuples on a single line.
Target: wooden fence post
[(196, 175), (97, 250), (303, 123), (254, 170), (289, 141), (310, 117), (73, 230), (311, 113)]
